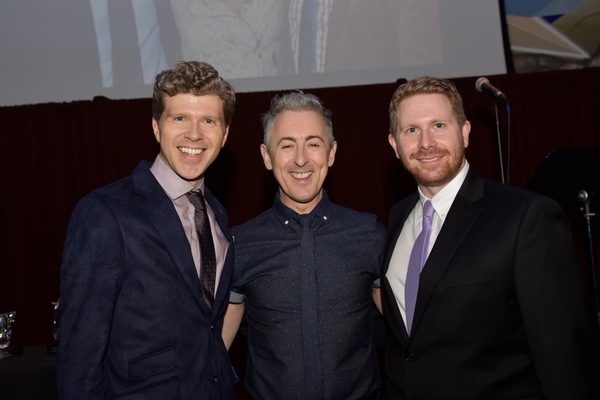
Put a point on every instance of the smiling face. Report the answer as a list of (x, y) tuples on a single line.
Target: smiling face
[(429, 140), (191, 132), (299, 154)]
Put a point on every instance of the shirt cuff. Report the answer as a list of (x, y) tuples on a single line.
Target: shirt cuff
[(236, 298)]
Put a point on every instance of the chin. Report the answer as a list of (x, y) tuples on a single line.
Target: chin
[(435, 179)]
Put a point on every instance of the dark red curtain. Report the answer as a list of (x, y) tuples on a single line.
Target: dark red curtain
[(55, 153)]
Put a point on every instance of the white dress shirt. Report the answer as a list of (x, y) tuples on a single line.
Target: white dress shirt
[(442, 201)]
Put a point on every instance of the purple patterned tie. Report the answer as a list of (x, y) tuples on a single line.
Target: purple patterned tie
[(208, 262), (418, 256)]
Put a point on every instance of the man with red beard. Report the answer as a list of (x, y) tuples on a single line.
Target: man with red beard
[(496, 308)]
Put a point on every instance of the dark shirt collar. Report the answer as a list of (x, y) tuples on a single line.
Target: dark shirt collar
[(287, 216)]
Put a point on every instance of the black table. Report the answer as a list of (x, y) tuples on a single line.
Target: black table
[(30, 376)]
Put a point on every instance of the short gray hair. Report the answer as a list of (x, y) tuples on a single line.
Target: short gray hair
[(296, 101)]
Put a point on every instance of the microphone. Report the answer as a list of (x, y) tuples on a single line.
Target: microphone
[(483, 85)]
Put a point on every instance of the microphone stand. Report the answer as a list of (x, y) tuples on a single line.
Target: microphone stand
[(483, 85), (499, 139), (587, 214)]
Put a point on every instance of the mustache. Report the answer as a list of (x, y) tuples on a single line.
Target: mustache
[(428, 154)]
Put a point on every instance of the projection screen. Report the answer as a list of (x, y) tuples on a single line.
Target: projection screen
[(66, 50)]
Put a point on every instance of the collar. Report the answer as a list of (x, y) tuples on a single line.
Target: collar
[(173, 184), (288, 217), (442, 201)]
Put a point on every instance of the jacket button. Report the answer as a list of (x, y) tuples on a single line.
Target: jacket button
[(215, 379), (410, 356)]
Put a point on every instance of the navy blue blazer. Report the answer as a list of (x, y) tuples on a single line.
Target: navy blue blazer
[(501, 311), (132, 320)]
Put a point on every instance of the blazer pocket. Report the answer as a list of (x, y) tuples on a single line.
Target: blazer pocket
[(152, 364), (168, 389), (469, 278)]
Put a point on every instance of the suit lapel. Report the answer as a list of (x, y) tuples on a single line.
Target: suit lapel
[(398, 215), (161, 212)]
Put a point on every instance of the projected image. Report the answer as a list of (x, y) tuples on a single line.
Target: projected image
[(65, 50), (239, 38), (244, 38), (553, 34), (260, 38), (129, 42)]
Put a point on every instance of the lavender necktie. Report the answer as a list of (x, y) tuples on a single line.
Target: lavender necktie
[(418, 256), (208, 262)]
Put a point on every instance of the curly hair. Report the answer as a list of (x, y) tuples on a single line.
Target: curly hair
[(194, 77)]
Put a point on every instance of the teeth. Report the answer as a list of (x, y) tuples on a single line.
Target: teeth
[(301, 175), (429, 158), (192, 152)]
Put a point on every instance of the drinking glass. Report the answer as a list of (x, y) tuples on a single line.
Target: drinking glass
[(52, 347), (6, 320)]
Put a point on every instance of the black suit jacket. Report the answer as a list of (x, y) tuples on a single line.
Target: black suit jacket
[(501, 311), (132, 320)]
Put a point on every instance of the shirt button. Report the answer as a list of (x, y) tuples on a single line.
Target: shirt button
[(410, 356), (215, 380)]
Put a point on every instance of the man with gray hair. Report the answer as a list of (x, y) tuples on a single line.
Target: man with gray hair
[(306, 271)]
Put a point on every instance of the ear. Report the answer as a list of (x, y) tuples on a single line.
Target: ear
[(332, 151), (393, 143), (225, 136), (266, 157), (466, 129), (156, 129)]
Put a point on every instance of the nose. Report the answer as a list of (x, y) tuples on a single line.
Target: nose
[(426, 140), (300, 156), (195, 133)]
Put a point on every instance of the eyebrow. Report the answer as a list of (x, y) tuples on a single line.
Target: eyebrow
[(186, 113), (428, 122), (293, 139)]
